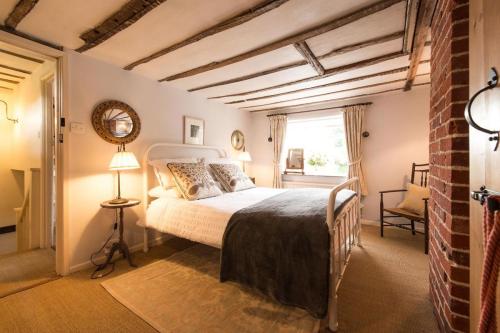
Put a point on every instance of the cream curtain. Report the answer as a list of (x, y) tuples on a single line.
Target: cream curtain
[(353, 127), (278, 132)]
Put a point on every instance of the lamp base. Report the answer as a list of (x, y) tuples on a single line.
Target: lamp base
[(118, 201)]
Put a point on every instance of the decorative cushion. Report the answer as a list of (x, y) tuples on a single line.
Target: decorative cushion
[(231, 177), (193, 180), (413, 201), (163, 174)]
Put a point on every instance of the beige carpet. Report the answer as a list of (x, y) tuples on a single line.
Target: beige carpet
[(385, 290), (183, 294), (19, 271)]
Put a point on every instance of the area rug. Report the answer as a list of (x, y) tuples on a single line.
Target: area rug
[(182, 293)]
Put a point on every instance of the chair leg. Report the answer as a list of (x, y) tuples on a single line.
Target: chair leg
[(413, 227), (426, 236), (381, 219)]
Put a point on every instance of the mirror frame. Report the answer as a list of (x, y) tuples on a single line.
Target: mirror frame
[(104, 133)]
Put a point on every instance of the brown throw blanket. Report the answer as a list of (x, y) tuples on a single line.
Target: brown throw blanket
[(281, 247)]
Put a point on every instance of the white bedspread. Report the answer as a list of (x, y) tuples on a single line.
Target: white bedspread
[(205, 220)]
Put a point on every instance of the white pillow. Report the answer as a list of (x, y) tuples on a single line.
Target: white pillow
[(163, 174), (160, 192), (217, 160)]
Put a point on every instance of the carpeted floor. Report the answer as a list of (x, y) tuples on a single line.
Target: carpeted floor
[(19, 271), (385, 289)]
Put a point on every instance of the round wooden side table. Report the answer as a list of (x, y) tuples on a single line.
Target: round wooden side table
[(120, 246)]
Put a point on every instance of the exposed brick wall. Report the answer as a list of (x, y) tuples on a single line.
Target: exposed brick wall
[(449, 166)]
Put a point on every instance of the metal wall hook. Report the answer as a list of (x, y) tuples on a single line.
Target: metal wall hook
[(492, 83)]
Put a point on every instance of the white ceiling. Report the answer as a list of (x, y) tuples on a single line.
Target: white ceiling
[(62, 22)]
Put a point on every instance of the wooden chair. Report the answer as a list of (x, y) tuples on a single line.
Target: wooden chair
[(419, 176)]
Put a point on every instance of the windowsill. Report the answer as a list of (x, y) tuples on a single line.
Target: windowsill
[(313, 179), (283, 175)]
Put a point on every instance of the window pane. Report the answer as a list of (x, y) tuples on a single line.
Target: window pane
[(323, 141)]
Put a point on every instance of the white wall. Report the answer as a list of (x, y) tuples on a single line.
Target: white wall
[(161, 109), (399, 135)]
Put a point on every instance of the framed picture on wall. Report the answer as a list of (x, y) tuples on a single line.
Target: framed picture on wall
[(194, 131)]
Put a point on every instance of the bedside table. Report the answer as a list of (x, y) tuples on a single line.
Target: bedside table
[(120, 246), (252, 179)]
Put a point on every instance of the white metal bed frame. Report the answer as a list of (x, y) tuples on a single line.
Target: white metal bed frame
[(344, 229)]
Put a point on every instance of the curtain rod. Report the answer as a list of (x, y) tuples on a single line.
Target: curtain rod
[(316, 110)]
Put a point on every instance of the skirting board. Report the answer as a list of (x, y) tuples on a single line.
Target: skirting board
[(135, 248), (370, 222), (7, 229)]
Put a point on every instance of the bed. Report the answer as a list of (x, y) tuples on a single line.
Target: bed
[(205, 221)]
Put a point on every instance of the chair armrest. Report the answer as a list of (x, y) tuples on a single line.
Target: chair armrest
[(391, 191)]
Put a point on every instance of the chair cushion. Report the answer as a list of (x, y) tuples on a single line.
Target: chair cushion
[(413, 201), (404, 213)]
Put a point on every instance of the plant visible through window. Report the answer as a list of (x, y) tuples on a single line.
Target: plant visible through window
[(323, 141)]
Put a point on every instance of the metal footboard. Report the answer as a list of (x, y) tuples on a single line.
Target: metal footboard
[(345, 231)]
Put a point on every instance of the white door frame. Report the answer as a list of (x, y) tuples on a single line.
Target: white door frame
[(61, 98), (48, 147)]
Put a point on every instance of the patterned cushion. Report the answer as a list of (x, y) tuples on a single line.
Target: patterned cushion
[(193, 180), (231, 177)]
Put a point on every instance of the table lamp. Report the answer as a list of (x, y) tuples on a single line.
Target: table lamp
[(122, 160), (244, 156)]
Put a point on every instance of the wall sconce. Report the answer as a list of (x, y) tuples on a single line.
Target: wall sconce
[(14, 120)]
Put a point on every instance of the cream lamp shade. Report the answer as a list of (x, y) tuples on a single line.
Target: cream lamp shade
[(245, 157), (124, 160)]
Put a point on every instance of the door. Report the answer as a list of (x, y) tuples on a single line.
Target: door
[(484, 162)]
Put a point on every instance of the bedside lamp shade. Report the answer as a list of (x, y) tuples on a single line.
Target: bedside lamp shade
[(245, 157), (123, 160)]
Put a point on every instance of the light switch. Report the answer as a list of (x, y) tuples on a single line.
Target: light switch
[(77, 128)]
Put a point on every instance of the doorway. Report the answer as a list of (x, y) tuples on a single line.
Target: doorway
[(28, 170)]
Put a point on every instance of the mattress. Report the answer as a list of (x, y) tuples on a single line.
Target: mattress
[(202, 221)]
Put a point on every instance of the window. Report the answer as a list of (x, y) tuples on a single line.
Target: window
[(323, 141)]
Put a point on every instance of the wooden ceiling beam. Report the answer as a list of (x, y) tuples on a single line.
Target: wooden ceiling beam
[(328, 72), (9, 80), (424, 18), (15, 69), (323, 94), (232, 22), (258, 74), (309, 56), (302, 36), (127, 15), (332, 84), (22, 56), (357, 46), (354, 79), (22, 8), (332, 100), (12, 75)]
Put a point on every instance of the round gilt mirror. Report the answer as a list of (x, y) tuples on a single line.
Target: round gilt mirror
[(238, 140), (116, 122)]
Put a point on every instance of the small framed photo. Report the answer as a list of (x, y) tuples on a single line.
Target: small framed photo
[(194, 131)]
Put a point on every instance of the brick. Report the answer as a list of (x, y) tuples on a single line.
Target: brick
[(449, 161)]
